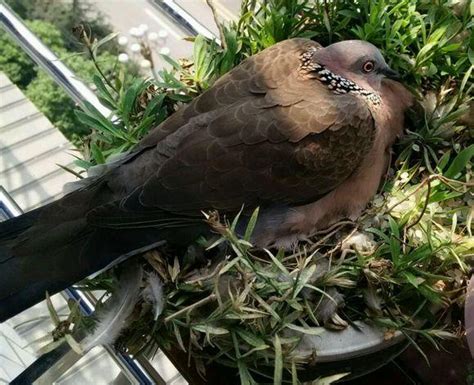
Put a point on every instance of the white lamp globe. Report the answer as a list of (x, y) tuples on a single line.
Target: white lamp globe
[(145, 63), (135, 47), (123, 58), (123, 40), (152, 36)]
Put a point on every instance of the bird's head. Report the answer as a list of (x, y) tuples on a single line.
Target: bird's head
[(357, 61)]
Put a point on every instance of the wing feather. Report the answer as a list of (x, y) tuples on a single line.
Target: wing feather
[(263, 135)]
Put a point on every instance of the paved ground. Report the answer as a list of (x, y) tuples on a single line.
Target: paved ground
[(126, 14)]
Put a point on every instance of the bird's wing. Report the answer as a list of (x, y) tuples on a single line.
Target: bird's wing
[(283, 140), (256, 75), (249, 154)]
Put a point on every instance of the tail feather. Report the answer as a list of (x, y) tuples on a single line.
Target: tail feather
[(34, 267), (59, 244), (15, 226)]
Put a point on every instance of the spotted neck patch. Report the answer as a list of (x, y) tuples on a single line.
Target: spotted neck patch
[(337, 84)]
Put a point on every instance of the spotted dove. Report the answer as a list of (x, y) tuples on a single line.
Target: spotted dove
[(301, 131)]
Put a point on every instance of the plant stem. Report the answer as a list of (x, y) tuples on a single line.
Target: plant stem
[(203, 301), (425, 206), (96, 65), (210, 3)]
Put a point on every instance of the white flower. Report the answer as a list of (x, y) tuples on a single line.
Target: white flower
[(152, 36), (165, 51), (137, 32), (135, 47), (123, 58), (163, 33), (143, 27), (145, 63), (123, 40)]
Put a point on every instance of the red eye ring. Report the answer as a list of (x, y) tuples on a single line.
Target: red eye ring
[(368, 66)]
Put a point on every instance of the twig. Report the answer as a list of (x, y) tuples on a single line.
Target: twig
[(421, 185), (425, 206), (96, 65), (332, 227), (88, 44), (332, 230), (208, 276), (210, 3), (195, 305)]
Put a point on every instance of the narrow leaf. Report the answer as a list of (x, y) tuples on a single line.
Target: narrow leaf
[(278, 372)]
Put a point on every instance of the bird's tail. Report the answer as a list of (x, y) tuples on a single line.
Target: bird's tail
[(53, 247)]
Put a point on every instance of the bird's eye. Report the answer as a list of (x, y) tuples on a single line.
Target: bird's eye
[(368, 66)]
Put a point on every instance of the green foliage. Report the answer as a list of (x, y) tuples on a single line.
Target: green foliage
[(56, 104), (15, 62), (136, 107)]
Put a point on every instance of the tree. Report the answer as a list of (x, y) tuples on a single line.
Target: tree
[(15, 62), (56, 104)]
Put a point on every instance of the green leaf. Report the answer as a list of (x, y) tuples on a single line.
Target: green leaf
[(155, 103), (244, 374), (413, 280), (303, 279), (130, 98), (101, 42), (266, 306), (443, 161), (277, 262), (52, 311), (172, 62), (278, 371), (394, 240), (460, 162), (70, 170), (97, 154), (209, 329), (76, 346), (236, 219), (83, 163), (102, 125), (250, 338), (294, 374), (251, 225), (330, 379), (103, 92)]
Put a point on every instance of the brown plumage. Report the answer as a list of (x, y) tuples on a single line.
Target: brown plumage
[(299, 130)]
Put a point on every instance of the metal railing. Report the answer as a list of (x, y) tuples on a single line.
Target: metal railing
[(47, 60)]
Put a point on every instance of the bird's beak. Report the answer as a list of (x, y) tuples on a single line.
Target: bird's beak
[(391, 74)]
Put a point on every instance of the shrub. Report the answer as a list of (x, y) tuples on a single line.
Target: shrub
[(16, 63)]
